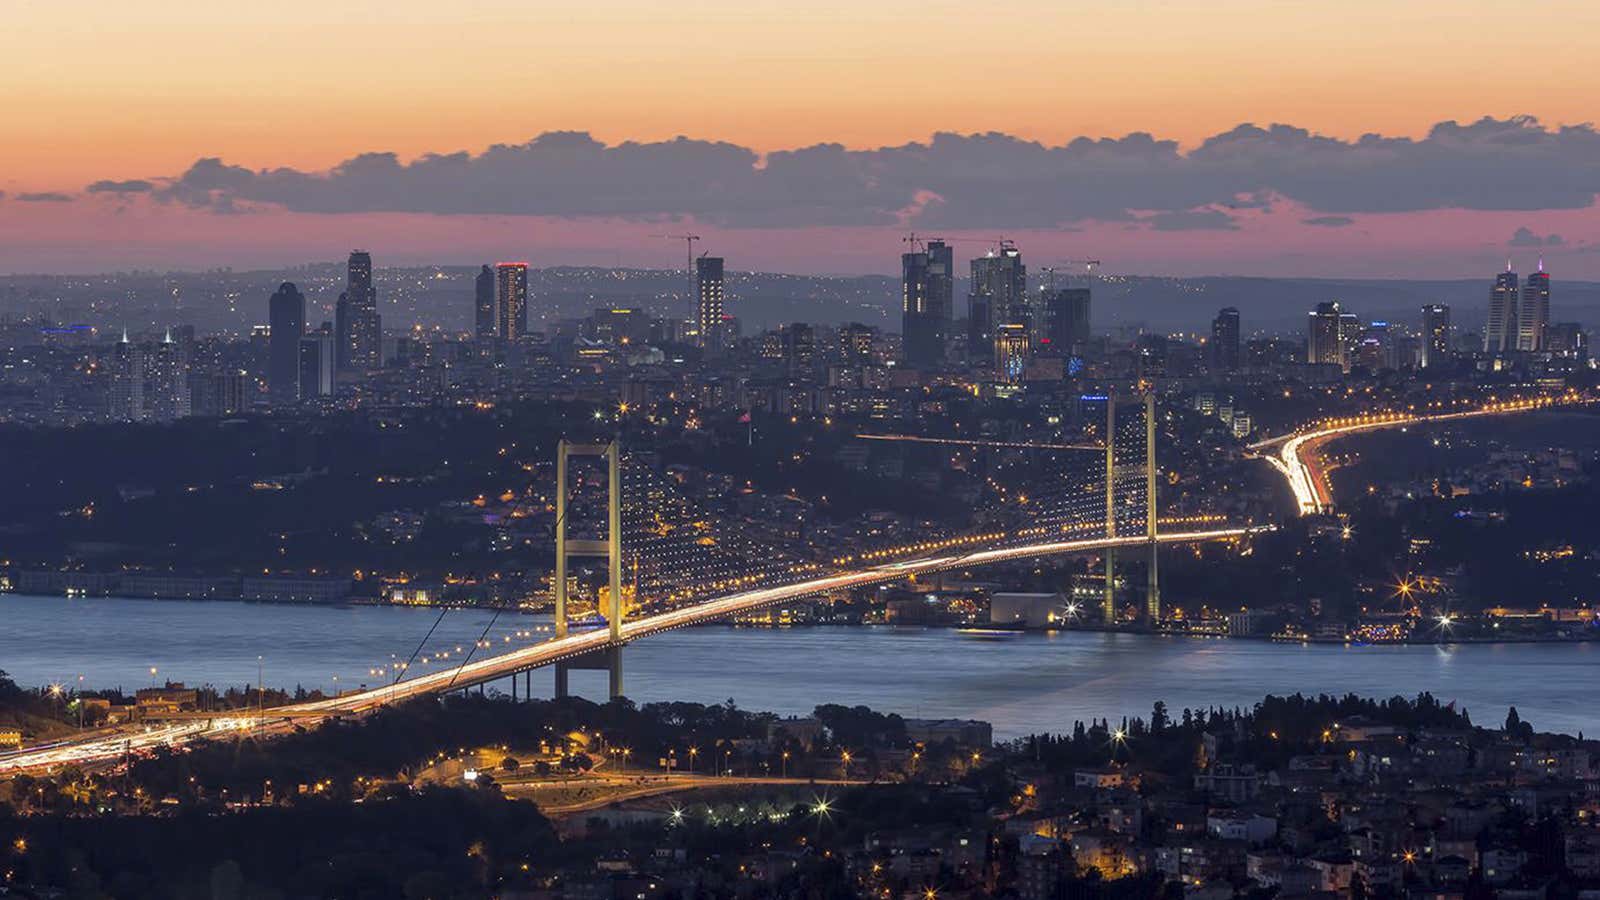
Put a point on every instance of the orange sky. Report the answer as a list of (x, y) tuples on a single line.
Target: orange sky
[(101, 89)]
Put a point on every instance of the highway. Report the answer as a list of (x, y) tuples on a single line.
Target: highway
[(1298, 458), (109, 746)]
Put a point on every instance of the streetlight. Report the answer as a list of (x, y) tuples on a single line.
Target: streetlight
[(785, 764), (844, 763), (693, 752)]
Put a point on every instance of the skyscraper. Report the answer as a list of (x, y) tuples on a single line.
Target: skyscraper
[(928, 301), (1435, 335), (286, 314), (709, 307), (1534, 314), (166, 388), (1500, 331), (1225, 340), (1066, 321), (1011, 352), (485, 307), (511, 300), (316, 365), (127, 400), (1325, 344), (999, 297), (362, 333)]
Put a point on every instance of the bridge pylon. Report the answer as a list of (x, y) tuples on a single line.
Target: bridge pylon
[(610, 548), (1153, 591), (1109, 604)]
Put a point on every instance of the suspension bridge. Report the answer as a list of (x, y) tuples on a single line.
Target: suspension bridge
[(674, 554)]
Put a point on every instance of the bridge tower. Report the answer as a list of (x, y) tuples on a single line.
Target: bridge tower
[(1109, 605), (610, 548), (1153, 594)]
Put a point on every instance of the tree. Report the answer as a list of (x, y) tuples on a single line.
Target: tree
[(509, 764), (1158, 718)]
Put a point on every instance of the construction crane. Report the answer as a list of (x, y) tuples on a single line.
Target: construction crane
[(688, 260)]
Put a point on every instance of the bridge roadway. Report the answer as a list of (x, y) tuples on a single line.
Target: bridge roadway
[(111, 744), (1298, 459)]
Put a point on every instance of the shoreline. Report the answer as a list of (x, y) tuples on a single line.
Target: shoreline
[(996, 633)]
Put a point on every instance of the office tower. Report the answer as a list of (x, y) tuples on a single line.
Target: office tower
[(999, 297), (341, 331), (286, 314), (511, 300), (361, 328), (1325, 343), (1500, 331), (1225, 340), (1350, 333), (1066, 321), (1533, 316), (1011, 351), (928, 302), (1435, 335), (484, 307), (709, 313), (316, 365), (1374, 348)]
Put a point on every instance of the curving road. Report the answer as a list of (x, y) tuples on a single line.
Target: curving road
[(1299, 459), (111, 745)]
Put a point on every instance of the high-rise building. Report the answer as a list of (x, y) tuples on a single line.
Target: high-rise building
[(1435, 335), (286, 315), (1533, 316), (127, 400), (363, 327), (1500, 331), (511, 300), (167, 381), (1225, 340), (484, 306), (709, 309), (1567, 339), (1066, 321), (1011, 352), (316, 367), (928, 301), (999, 297), (799, 350), (1325, 344), (856, 342)]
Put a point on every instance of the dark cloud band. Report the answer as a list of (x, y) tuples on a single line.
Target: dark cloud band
[(952, 181)]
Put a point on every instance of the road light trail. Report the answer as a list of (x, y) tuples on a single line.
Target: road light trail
[(1300, 464), (963, 442), (110, 747)]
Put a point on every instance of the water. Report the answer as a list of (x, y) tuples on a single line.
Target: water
[(1022, 684)]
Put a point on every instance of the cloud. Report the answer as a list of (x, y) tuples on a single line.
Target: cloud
[(952, 181), (1328, 221), (45, 197), (131, 186), (1524, 237), (1192, 220)]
